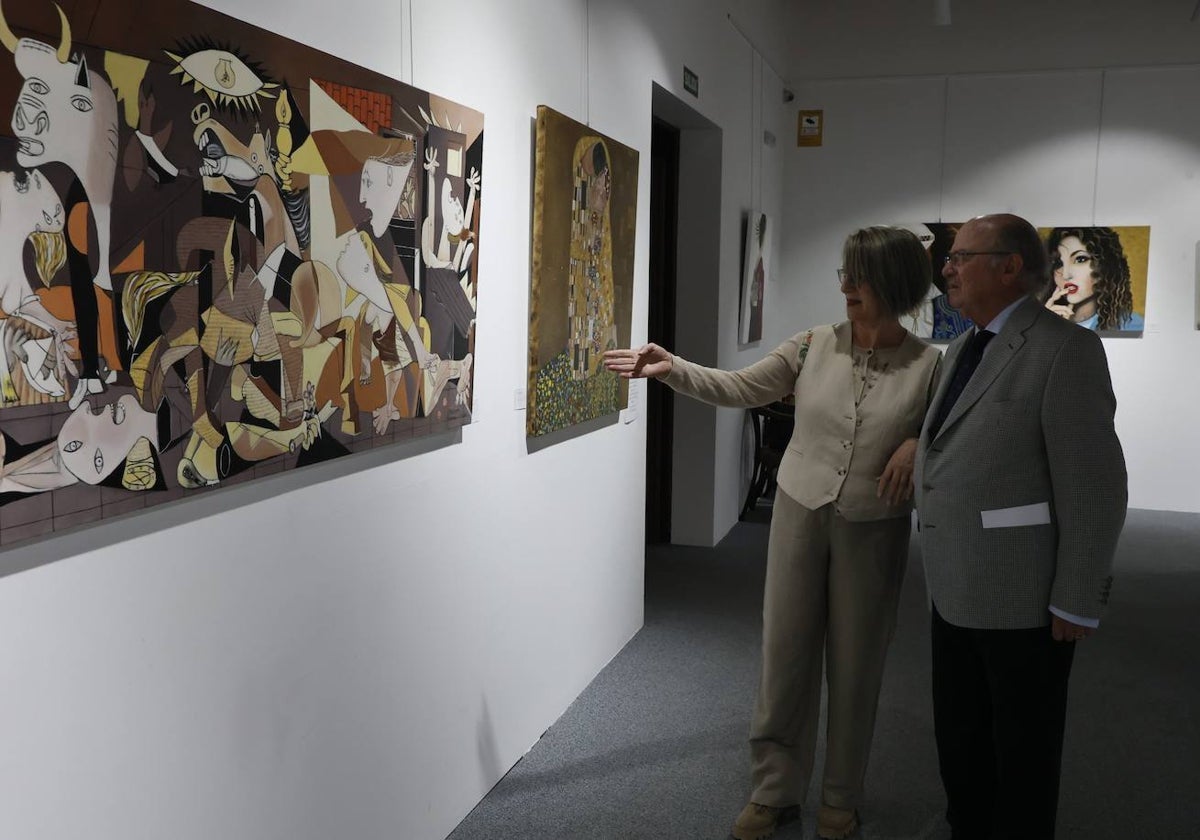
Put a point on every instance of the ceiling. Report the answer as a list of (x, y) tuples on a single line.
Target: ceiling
[(809, 39)]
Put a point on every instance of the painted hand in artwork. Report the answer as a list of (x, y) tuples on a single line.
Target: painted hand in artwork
[(64, 365), (895, 484), (473, 180), (1059, 306), (312, 419), (226, 353), (647, 361), (431, 161), (382, 417), (464, 380)]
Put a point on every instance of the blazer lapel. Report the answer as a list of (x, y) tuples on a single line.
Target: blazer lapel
[(999, 353)]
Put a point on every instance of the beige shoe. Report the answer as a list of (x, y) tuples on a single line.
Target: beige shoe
[(836, 823), (757, 822)]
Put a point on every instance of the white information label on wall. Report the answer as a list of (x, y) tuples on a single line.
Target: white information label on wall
[(637, 387)]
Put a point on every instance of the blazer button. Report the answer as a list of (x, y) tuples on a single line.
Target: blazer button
[(841, 472)]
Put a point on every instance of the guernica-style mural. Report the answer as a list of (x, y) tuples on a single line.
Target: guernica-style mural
[(1097, 279), (584, 223), (224, 254)]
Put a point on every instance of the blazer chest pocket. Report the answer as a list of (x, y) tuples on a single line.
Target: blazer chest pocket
[(1016, 517), (1009, 405)]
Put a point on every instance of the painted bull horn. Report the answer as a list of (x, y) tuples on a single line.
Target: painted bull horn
[(10, 40), (6, 34), (64, 47)]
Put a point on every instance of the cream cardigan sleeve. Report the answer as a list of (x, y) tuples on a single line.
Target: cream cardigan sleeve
[(763, 382)]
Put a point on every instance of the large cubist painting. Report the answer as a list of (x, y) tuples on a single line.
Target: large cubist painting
[(1097, 279), (225, 254), (584, 221)]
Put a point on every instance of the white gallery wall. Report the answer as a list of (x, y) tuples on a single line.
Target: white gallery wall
[(362, 649), (1068, 147)]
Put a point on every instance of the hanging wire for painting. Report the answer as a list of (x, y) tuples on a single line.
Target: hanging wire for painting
[(754, 47), (753, 145), (757, 120), (757, 136), (587, 63), (1099, 129), (411, 70), (762, 124), (945, 140)]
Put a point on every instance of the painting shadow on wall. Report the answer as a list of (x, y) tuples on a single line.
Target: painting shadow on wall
[(43, 549), (1197, 270), (537, 444)]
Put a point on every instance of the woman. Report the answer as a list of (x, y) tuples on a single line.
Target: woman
[(840, 527), (1090, 284)]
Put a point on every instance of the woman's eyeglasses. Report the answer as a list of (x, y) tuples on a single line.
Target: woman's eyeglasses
[(846, 280)]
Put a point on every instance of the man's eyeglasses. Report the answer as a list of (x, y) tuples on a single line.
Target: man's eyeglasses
[(846, 280), (957, 258)]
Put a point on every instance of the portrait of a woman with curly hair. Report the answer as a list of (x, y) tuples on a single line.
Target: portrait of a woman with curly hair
[(1090, 284)]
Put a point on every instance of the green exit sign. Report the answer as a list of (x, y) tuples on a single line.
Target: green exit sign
[(691, 82)]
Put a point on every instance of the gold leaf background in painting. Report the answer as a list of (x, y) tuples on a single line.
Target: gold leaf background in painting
[(557, 136)]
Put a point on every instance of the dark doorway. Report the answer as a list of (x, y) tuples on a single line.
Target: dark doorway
[(660, 328)]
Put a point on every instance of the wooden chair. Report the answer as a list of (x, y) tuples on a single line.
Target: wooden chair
[(773, 426)]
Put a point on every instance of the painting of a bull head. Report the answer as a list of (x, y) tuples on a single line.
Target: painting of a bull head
[(67, 114)]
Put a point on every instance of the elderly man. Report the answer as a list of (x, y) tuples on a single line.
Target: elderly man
[(1021, 491)]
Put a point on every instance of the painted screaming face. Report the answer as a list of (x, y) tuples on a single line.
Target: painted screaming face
[(356, 266), (94, 441), (30, 202), (223, 155), (452, 210), (1074, 271), (380, 190), (63, 112)]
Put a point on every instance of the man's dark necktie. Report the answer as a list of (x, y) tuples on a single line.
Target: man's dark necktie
[(967, 362)]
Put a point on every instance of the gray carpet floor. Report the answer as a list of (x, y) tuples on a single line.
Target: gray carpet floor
[(656, 747)]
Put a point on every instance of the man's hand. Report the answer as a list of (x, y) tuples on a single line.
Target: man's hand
[(1065, 631)]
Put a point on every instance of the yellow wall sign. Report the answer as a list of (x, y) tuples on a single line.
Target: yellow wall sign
[(810, 128)]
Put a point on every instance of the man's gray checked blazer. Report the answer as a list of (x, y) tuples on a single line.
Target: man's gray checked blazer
[(1021, 496)]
